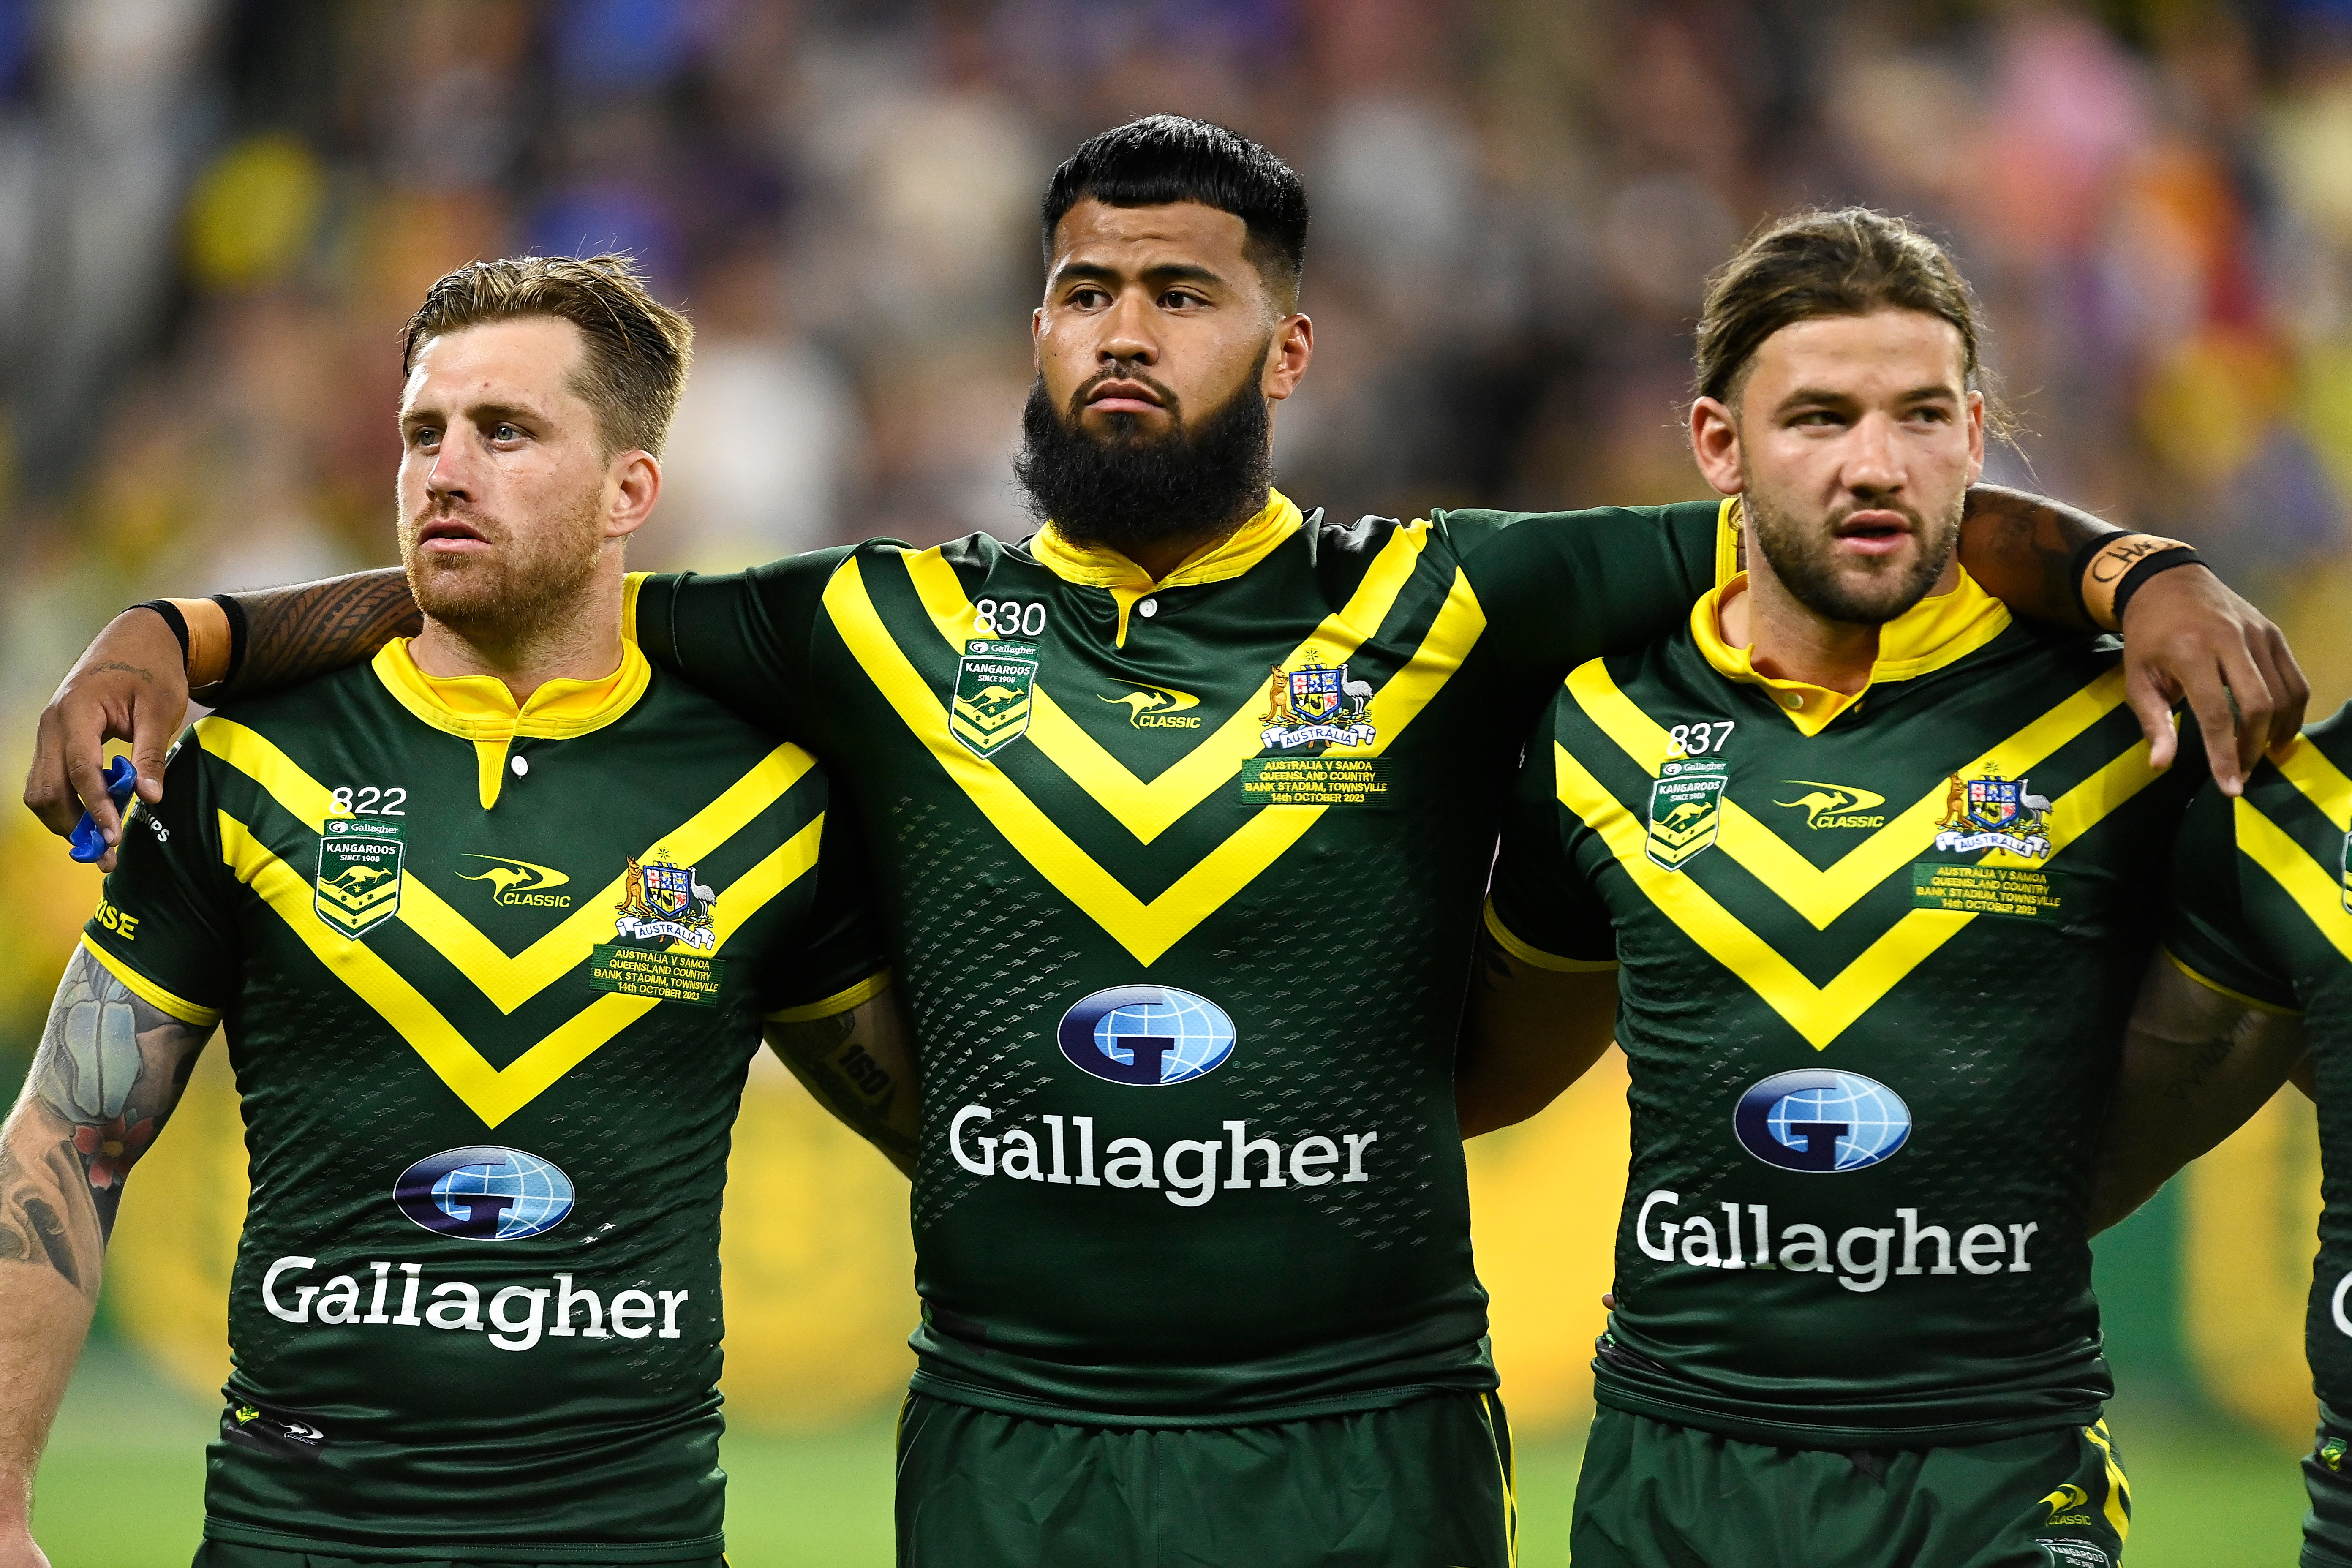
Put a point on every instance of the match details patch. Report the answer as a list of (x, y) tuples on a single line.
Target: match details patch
[(660, 973), (2017, 891), (1315, 781)]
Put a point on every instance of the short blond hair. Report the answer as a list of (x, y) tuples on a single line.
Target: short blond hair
[(639, 349)]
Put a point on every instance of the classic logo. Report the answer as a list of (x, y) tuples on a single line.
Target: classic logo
[(659, 899), (1685, 809), (1315, 702), (2066, 1505), (1151, 1036), (359, 874), (518, 882), (1995, 813), (993, 681), (2331, 1453), (1158, 706), (484, 1192), (1834, 806), (1818, 1120)]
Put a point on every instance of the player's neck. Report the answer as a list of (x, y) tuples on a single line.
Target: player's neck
[(578, 641), (1787, 640)]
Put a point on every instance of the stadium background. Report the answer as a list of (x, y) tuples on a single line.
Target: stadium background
[(215, 214)]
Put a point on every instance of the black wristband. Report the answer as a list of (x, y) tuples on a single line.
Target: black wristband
[(236, 634), (172, 618), (2141, 571)]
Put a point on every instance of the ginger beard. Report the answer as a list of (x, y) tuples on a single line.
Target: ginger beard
[(518, 586), (1868, 591)]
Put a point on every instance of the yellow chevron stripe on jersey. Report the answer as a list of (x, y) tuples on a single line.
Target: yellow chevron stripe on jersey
[(1819, 1013), (508, 981), (2322, 782), (491, 1093), (1145, 930), (1148, 810), (1822, 894), (2317, 889)]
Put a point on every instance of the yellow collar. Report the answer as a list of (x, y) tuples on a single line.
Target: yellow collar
[(1094, 566), (479, 707), (1940, 629)]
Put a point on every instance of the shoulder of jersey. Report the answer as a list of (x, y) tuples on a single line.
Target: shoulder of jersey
[(323, 699)]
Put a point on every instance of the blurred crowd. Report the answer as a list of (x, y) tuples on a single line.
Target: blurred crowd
[(214, 214)]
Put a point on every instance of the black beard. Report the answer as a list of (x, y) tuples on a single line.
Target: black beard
[(1129, 490), (1801, 558)]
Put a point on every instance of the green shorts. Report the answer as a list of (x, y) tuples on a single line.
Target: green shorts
[(1655, 1495), (229, 1554), (1422, 1485), (2328, 1477)]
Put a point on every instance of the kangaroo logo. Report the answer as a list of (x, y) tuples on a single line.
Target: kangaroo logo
[(1157, 707), (1833, 806)]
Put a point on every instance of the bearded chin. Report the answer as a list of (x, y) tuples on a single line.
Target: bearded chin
[(512, 592), (1131, 489), (1804, 559)]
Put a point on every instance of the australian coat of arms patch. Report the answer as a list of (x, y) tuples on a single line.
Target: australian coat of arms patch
[(1995, 813), (358, 885), (662, 900), (991, 706), (1315, 702)]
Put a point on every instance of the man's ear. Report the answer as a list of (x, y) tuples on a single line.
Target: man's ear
[(1715, 445), (1294, 347), (635, 485)]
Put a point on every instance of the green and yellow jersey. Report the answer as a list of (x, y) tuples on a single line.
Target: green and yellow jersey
[(2262, 911), (1876, 954), (1181, 880), (491, 978)]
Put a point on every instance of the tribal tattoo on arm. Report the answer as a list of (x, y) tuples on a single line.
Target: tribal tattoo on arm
[(310, 628), (110, 1071), (859, 1067)]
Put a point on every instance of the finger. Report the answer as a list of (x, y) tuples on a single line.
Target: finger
[(2250, 694), (48, 793), (2208, 698), (150, 737), (2294, 689), (2149, 700)]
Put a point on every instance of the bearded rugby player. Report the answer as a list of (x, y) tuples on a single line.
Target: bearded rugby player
[(1860, 871), (493, 921), (1181, 811)]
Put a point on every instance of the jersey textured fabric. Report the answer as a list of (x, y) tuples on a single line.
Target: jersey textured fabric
[(1180, 880), (1655, 1494), (2262, 912), (1409, 1486), (1877, 953), (491, 980)]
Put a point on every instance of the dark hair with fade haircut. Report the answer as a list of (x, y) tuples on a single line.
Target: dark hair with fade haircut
[(1165, 158), (637, 348), (1847, 262)]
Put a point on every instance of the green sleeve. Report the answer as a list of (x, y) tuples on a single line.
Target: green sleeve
[(166, 920), (741, 637), (836, 960), (1543, 910), (2206, 929), (1558, 588)]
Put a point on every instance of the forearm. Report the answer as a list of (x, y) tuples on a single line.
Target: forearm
[(310, 628), (2022, 549), (1529, 1033), (860, 1066), (46, 1301)]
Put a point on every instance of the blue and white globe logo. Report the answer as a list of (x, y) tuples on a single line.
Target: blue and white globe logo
[(1148, 1034), (484, 1192), (1817, 1120)]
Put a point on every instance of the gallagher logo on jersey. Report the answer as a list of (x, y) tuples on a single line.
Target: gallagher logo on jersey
[(484, 1192), (1821, 1121), (1150, 1036)]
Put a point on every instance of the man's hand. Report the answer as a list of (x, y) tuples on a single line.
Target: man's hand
[(131, 685), (2186, 634)]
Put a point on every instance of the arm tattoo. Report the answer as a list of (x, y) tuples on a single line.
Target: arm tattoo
[(293, 634), (108, 1071), (829, 1056), (2024, 548)]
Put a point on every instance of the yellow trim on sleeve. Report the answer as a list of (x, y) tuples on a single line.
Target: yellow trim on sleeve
[(840, 1002), (2207, 981), (1536, 957), (154, 995)]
